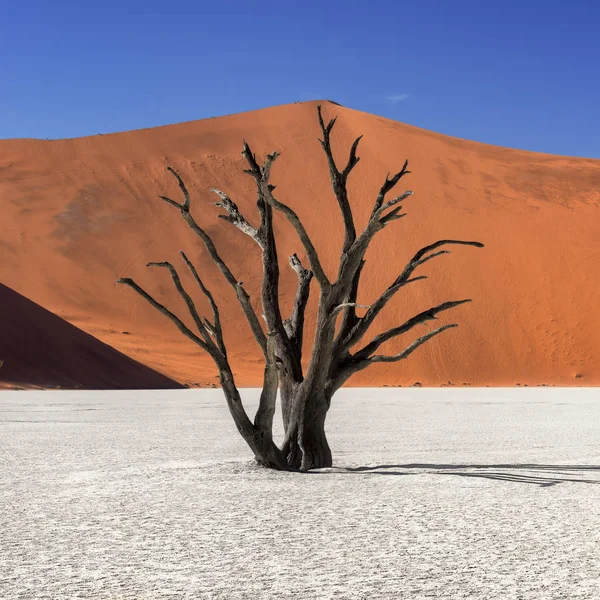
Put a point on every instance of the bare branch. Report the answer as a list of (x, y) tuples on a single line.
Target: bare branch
[(410, 349), (210, 326), (325, 128), (339, 179), (394, 215), (260, 174), (254, 169), (234, 216), (394, 201), (297, 266), (172, 202), (363, 324), (341, 307), (350, 319), (258, 435), (427, 315), (420, 257), (378, 220), (165, 311), (266, 168), (353, 364), (295, 324), (214, 328), (311, 252), (266, 192), (186, 297), (242, 295), (388, 185), (438, 253), (359, 330), (351, 260), (184, 190), (352, 159)]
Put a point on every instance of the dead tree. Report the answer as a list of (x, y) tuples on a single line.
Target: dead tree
[(305, 394)]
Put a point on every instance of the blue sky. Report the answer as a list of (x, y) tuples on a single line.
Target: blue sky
[(523, 74)]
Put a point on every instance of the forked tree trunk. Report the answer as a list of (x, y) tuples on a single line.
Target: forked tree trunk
[(260, 441)]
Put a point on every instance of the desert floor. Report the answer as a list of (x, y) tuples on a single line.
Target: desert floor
[(446, 493)]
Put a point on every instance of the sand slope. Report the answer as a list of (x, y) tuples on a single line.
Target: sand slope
[(78, 214), (41, 349)]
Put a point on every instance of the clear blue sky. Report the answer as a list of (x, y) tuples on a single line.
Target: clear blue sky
[(523, 74)]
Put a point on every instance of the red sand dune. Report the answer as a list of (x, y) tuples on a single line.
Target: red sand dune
[(40, 349), (78, 214)]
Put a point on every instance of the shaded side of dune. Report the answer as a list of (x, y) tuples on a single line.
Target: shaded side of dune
[(40, 349)]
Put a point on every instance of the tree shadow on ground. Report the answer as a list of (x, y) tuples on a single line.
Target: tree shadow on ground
[(541, 475)]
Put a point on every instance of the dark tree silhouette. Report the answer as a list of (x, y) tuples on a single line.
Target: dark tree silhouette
[(305, 395)]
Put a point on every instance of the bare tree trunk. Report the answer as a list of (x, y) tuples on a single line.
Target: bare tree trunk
[(305, 398), (305, 445)]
